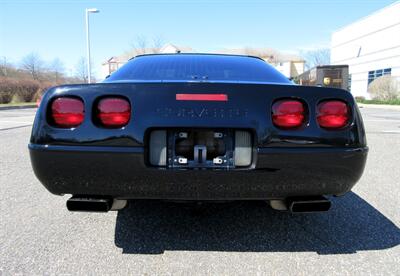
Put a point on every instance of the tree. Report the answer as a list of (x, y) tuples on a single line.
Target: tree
[(3, 66), (81, 70), (271, 55), (317, 57), (140, 46), (158, 43), (57, 69), (33, 64)]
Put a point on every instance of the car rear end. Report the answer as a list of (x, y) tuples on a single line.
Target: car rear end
[(197, 141), (140, 157)]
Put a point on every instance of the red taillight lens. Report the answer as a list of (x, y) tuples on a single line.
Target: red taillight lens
[(114, 112), (332, 114), (67, 112), (288, 113)]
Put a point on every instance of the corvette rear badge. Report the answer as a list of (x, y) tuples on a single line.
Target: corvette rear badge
[(217, 113)]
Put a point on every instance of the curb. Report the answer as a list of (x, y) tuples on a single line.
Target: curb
[(382, 106), (18, 107)]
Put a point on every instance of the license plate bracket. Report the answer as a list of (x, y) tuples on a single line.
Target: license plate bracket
[(200, 148)]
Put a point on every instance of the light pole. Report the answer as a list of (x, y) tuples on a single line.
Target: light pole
[(93, 10)]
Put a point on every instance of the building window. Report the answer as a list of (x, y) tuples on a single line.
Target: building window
[(349, 83), (387, 71), (372, 75)]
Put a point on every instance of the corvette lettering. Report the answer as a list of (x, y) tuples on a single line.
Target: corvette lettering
[(217, 113)]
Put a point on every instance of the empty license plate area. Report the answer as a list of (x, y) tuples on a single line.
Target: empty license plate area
[(200, 148)]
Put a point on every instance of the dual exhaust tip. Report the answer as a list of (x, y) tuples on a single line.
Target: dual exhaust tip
[(94, 204), (310, 204), (102, 204)]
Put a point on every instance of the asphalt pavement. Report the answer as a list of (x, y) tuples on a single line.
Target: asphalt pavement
[(360, 235)]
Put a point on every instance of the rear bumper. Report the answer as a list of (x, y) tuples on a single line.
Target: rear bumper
[(121, 172)]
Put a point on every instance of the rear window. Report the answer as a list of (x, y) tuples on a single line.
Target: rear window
[(187, 67)]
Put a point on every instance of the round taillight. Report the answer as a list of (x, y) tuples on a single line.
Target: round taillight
[(332, 114), (288, 113), (67, 112), (113, 112)]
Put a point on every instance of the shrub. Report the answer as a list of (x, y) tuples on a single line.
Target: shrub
[(27, 89), (375, 101), (385, 88), (6, 89), (5, 97), (43, 88), (19, 90)]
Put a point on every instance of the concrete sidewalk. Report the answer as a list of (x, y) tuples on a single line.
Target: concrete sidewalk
[(18, 106)]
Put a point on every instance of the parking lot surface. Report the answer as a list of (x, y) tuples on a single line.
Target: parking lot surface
[(360, 235)]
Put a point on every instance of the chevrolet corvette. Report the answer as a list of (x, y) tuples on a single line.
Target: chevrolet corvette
[(198, 127)]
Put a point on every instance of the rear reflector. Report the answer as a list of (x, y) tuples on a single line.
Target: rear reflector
[(243, 148), (202, 97), (67, 112), (158, 148), (332, 114), (288, 113), (113, 112)]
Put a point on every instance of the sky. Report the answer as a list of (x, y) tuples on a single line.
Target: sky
[(56, 29)]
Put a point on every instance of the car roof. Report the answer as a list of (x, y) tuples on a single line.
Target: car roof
[(197, 54)]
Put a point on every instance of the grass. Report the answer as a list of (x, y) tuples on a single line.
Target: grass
[(17, 104), (389, 102)]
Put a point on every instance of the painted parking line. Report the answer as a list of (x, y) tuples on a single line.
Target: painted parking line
[(9, 128), (381, 120), (8, 122), (16, 122)]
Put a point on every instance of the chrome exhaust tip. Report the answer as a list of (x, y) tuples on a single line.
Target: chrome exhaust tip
[(78, 203), (308, 204)]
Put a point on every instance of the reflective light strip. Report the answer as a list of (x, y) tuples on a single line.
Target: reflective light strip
[(202, 97)]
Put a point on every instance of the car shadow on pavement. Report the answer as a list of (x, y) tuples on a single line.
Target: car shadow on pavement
[(152, 227)]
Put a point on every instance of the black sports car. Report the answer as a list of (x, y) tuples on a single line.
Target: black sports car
[(198, 127)]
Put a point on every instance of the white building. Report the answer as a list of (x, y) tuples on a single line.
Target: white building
[(112, 64), (290, 68), (370, 46)]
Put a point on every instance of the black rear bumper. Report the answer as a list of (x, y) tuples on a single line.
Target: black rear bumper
[(121, 172)]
